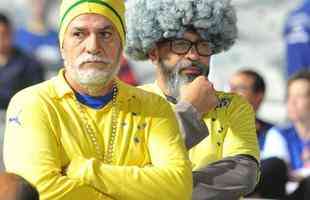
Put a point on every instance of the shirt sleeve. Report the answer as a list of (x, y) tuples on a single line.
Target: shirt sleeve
[(168, 177), (192, 126), (241, 137), (32, 150), (228, 178), (275, 146)]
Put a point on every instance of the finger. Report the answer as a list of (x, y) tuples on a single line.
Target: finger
[(201, 78), (211, 85)]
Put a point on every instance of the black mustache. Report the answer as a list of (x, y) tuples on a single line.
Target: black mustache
[(204, 70)]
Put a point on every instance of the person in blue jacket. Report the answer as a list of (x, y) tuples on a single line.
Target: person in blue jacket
[(297, 39), (290, 144)]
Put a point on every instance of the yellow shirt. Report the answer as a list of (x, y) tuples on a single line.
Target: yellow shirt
[(231, 130), (48, 141)]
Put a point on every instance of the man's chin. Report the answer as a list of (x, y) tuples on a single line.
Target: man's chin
[(91, 76), (94, 65), (93, 81), (96, 76), (189, 77)]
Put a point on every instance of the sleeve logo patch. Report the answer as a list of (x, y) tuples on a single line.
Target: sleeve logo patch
[(223, 102), (15, 119)]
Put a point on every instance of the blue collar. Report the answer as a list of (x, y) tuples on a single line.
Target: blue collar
[(94, 102)]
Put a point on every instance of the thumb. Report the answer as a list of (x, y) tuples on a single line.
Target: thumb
[(183, 88)]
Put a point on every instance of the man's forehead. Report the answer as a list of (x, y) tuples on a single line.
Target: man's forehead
[(90, 20), (244, 76), (4, 26), (301, 84), (189, 34), (242, 79)]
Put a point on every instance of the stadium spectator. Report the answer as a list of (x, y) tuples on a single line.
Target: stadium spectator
[(36, 37), (290, 145), (297, 39), (14, 187), (251, 85), (17, 70), (179, 38), (84, 134)]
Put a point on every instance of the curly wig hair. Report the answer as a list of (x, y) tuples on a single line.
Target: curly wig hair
[(150, 21)]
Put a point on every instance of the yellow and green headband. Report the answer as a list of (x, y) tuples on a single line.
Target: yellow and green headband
[(114, 10)]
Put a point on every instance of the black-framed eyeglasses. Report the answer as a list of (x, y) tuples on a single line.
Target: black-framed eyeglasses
[(182, 46)]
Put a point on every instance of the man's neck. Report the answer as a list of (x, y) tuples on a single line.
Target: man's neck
[(91, 90), (97, 90), (303, 129), (4, 58), (162, 83)]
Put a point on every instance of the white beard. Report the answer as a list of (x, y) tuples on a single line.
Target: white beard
[(174, 80), (95, 76), (89, 76)]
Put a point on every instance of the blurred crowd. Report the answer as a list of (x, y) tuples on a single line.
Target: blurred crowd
[(29, 54)]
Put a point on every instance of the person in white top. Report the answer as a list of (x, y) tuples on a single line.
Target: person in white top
[(291, 144)]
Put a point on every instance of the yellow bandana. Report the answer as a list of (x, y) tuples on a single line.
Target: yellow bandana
[(114, 10)]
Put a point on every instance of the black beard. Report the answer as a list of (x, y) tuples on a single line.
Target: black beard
[(174, 79)]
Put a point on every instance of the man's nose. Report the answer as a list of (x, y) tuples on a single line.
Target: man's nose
[(192, 54), (92, 44)]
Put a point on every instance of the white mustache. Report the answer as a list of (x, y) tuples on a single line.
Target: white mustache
[(183, 64), (84, 58)]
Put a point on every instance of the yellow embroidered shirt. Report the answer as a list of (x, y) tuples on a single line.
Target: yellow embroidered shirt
[(47, 141), (231, 130)]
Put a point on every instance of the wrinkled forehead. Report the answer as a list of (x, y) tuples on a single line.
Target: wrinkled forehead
[(242, 78), (299, 86), (90, 20)]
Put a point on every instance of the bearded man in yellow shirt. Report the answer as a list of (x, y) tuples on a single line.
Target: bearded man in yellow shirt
[(179, 37), (85, 134)]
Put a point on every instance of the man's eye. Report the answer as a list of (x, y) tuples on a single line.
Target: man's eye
[(78, 34), (181, 43), (106, 35)]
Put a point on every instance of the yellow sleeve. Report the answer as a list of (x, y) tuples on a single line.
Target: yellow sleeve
[(241, 136), (32, 150), (169, 177)]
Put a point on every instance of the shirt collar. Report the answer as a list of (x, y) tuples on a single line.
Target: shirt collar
[(156, 89), (61, 86)]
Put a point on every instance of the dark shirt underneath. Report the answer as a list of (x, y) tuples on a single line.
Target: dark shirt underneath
[(19, 72), (262, 129)]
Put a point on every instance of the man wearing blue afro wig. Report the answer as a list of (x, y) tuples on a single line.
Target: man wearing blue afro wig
[(179, 37)]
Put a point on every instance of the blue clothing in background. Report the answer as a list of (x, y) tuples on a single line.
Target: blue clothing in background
[(262, 129), (44, 47), (297, 39), (20, 71), (295, 146), (30, 42)]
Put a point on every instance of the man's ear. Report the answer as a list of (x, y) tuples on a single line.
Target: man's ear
[(62, 52), (153, 55), (259, 98)]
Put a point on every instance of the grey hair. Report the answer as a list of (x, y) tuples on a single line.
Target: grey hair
[(149, 21)]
